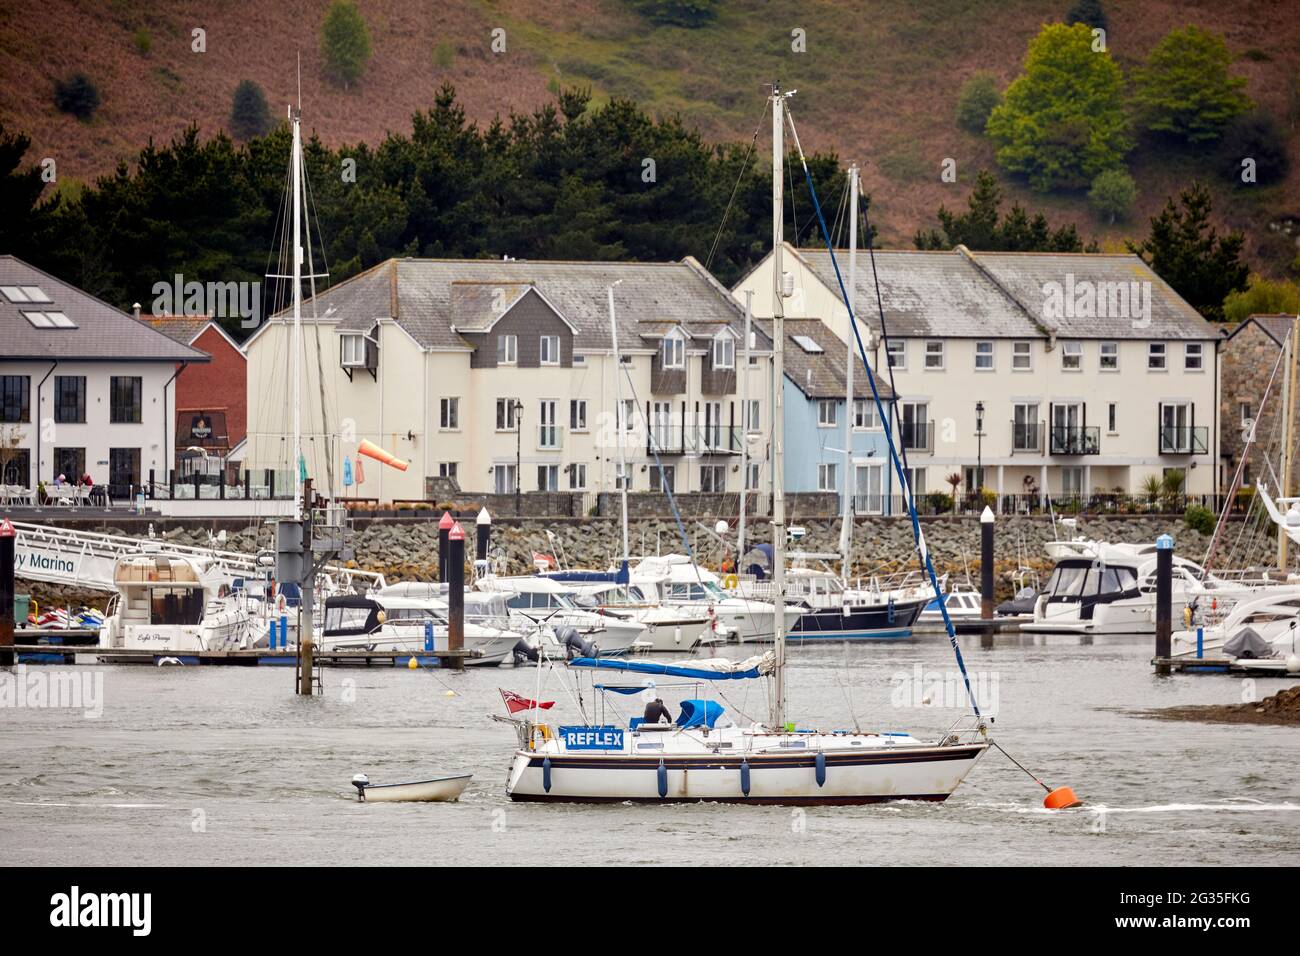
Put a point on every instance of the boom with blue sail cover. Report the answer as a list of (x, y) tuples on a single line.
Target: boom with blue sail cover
[(749, 669)]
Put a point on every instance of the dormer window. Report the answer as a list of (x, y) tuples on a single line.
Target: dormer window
[(724, 351), (354, 350), (672, 353)]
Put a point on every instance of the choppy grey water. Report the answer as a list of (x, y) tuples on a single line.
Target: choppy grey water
[(220, 765)]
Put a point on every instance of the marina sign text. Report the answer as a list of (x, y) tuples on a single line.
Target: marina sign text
[(592, 738)]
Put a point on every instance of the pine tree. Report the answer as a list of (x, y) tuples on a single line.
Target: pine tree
[(249, 115)]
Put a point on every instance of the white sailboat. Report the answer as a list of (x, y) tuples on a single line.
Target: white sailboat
[(704, 756)]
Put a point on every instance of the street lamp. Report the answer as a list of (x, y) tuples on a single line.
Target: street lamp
[(979, 451), (519, 430)]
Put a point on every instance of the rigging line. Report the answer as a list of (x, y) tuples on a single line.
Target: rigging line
[(917, 534), (1241, 465), (744, 166)]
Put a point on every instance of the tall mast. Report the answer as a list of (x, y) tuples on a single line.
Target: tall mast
[(745, 424), (778, 411), (296, 184), (1288, 426), (619, 415), (846, 522)]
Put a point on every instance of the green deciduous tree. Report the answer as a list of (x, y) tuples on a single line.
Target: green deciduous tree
[(1062, 121), (1185, 89), (1262, 297), (1186, 251), (249, 115), (978, 98), (345, 42), (981, 228), (1113, 194)]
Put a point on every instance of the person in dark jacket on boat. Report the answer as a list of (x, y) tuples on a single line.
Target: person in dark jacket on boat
[(657, 713)]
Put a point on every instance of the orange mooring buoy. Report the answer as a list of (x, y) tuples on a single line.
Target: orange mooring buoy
[(1062, 798)]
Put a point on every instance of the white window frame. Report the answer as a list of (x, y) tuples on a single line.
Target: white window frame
[(1027, 353), (1157, 350), (1112, 355), (754, 478), (990, 355), (577, 415), (548, 477), (865, 416), (668, 476), (1071, 349), (672, 352), (510, 419), (449, 413), (898, 346), (353, 342), (932, 353), (507, 349), (577, 476), (448, 469), (724, 351), (828, 476), (1244, 413), (719, 479), (827, 413), (1199, 353), (548, 350), (753, 416)]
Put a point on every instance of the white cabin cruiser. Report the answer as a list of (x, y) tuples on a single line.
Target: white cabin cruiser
[(673, 580), (668, 628), (1100, 588), (172, 603), (1261, 628), (551, 603)]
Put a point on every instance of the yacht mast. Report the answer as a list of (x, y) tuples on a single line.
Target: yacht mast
[(745, 425), (621, 418), (846, 521), (778, 410), (296, 185)]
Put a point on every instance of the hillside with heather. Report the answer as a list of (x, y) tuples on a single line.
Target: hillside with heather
[(878, 83)]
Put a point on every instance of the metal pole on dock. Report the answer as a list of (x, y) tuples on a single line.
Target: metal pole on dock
[(1164, 601), (8, 538), (986, 564), (444, 527), (306, 601), (456, 593)]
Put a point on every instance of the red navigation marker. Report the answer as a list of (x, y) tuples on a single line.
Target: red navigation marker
[(457, 533), (6, 529), (446, 521)]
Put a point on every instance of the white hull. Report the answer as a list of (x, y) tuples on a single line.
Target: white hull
[(421, 791), (873, 770), (669, 636), (494, 645)]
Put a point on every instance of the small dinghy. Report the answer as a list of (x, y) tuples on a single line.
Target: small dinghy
[(416, 791)]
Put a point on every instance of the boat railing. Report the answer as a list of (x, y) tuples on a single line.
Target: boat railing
[(966, 729)]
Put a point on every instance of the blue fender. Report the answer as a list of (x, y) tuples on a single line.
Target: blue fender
[(744, 777), (546, 774), (662, 775), (821, 769)]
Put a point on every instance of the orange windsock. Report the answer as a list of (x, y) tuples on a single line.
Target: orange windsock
[(378, 454)]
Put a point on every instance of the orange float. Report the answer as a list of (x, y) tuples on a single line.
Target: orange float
[(1062, 798)]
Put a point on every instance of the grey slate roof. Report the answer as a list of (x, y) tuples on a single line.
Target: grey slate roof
[(1276, 327), (959, 294), (430, 298), (821, 374), (102, 332)]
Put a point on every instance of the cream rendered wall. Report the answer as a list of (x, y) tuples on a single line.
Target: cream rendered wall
[(1127, 455)]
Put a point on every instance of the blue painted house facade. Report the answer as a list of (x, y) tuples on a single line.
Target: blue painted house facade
[(818, 425)]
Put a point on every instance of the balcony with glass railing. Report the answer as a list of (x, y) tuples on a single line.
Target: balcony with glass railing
[(1075, 440), (1184, 439)]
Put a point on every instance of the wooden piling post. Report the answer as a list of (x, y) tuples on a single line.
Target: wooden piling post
[(456, 594), (8, 538), (986, 564), (1164, 601)]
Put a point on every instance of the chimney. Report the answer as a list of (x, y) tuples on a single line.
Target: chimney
[(136, 309)]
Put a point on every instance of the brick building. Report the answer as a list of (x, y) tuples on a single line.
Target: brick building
[(211, 400)]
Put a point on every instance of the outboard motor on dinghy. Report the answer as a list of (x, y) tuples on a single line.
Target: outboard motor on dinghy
[(361, 781), (573, 643)]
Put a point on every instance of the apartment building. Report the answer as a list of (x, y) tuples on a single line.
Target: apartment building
[(502, 375), (85, 389), (1056, 374)]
